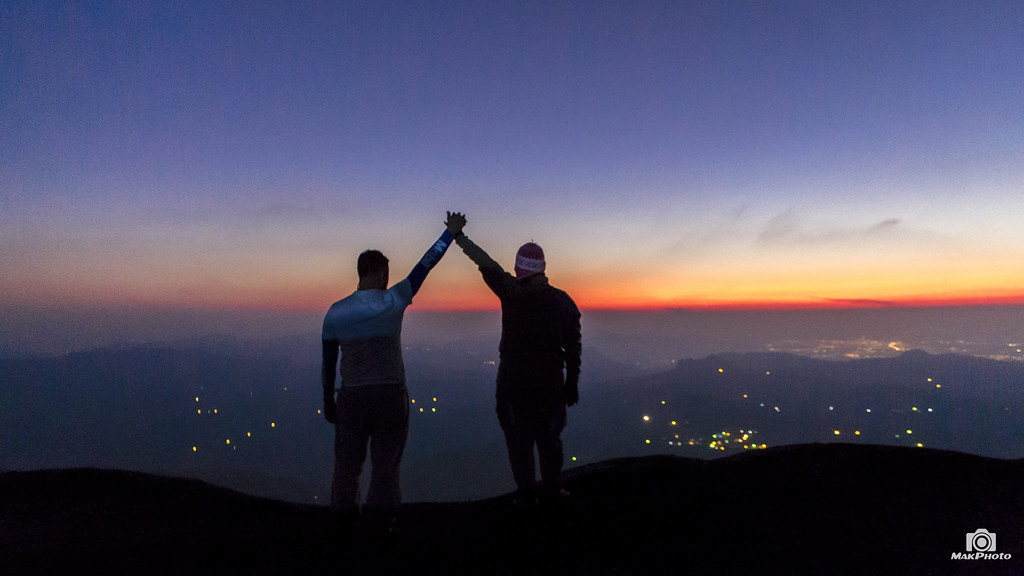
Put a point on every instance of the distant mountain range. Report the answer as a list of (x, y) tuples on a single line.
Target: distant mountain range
[(246, 416), (963, 403)]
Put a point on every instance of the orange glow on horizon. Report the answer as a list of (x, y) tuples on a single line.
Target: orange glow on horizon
[(846, 304), (466, 292), (486, 302)]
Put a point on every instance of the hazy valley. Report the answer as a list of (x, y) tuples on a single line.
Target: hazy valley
[(245, 415)]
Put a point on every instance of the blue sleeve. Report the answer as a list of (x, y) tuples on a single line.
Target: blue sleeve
[(429, 260)]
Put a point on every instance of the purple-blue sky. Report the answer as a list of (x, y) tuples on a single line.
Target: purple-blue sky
[(241, 154)]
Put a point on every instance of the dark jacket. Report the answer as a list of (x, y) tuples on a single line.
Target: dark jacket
[(540, 325)]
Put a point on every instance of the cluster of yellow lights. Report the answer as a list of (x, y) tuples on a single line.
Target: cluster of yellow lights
[(200, 410), (720, 440), (227, 441), (432, 409)]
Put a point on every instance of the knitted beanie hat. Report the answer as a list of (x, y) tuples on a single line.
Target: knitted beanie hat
[(529, 260)]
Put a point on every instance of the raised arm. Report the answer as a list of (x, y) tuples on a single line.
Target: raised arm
[(477, 254), (419, 272), (497, 279)]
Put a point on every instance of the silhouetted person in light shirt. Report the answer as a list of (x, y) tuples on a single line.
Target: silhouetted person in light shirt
[(539, 369), (372, 405)]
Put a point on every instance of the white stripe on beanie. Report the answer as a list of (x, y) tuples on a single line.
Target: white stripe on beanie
[(530, 259)]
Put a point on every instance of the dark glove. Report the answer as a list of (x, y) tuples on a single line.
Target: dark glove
[(330, 408), (571, 392)]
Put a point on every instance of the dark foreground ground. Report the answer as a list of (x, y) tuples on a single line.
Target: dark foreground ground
[(812, 509)]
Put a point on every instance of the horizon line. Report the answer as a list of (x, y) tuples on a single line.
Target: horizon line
[(825, 304)]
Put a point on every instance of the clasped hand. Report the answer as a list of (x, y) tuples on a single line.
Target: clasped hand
[(455, 222)]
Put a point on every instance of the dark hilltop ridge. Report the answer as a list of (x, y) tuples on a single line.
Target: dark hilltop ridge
[(802, 509)]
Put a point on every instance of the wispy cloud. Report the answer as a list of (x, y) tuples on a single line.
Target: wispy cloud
[(789, 228), (861, 302)]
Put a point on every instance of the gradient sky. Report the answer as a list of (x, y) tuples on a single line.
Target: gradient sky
[(241, 154)]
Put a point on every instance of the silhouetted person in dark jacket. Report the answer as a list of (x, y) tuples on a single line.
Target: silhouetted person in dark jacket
[(539, 369)]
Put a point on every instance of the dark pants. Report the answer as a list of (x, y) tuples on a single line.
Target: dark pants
[(533, 418), (377, 416)]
